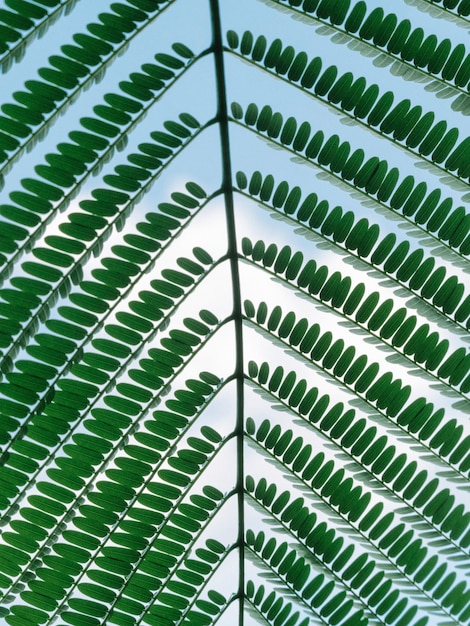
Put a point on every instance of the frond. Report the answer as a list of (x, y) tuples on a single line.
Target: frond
[(234, 381)]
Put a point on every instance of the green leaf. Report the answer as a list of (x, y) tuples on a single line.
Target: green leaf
[(149, 393)]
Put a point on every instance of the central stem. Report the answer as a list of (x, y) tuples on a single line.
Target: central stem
[(227, 189)]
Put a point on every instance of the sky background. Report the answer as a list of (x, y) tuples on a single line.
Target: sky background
[(195, 93)]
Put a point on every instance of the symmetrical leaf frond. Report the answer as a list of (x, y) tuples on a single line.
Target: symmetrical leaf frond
[(234, 382)]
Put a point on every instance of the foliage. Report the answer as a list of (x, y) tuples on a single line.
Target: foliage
[(244, 399)]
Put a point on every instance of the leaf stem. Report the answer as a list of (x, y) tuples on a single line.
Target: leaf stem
[(227, 188)]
